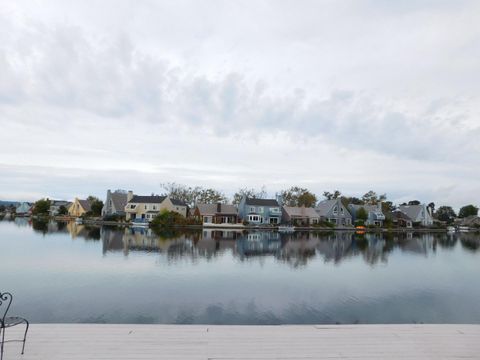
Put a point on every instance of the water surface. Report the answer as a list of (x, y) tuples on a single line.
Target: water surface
[(63, 272)]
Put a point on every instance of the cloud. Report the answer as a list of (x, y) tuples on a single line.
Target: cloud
[(90, 93)]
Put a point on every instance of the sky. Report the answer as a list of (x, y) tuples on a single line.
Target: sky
[(352, 95)]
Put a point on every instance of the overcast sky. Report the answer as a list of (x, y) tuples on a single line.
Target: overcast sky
[(350, 95)]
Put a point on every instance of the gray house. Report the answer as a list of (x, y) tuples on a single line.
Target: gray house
[(418, 213), (375, 213), (260, 211), (115, 203), (334, 211)]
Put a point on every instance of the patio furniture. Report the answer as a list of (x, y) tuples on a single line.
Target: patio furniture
[(6, 322)]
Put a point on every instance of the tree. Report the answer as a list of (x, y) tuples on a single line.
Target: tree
[(414, 202), (250, 193), (445, 213), (296, 196), (346, 200), (193, 195), (362, 214), (372, 198), (62, 210), (41, 207), (2, 208), (468, 210), (387, 206), (96, 205), (331, 196), (167, 219), (210, 196)]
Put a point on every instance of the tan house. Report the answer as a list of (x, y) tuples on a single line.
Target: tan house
[(300, 215), (79, 207), (145, 208)]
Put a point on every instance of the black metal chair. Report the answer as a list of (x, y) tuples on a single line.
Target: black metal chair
[(6, 322)]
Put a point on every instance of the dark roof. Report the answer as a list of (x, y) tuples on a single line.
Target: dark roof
[(85, 205), (147, 199), (261, 202), (178, 202)]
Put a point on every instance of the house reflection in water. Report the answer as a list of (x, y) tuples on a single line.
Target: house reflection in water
[(295, 249)]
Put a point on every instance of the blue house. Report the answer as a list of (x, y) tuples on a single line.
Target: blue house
[(260, 211), (23, 209)]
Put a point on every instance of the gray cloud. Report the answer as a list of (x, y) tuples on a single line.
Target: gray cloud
[(395, 88)]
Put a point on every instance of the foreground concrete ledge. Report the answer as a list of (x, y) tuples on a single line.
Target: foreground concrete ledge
[(98, 341)]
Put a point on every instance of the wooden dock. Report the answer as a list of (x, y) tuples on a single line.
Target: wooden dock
[(89, 341)]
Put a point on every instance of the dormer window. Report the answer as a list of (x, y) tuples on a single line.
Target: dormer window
[(335, 210)]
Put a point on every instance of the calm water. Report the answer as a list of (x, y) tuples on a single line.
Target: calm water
[(72, 273)]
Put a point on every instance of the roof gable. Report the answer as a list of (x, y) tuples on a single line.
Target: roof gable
[(155, 199)]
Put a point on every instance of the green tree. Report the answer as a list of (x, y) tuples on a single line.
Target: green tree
[(96, 205), (2, 208), (414, 202), (62, 210), (468, 210), (297, 196), (331, 196), (362, 214), (193, 195), (372, 198), (41, 207), (445, 213), (250, 193), (167, 219)]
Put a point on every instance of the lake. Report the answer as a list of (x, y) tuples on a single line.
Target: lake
[(69, 273)]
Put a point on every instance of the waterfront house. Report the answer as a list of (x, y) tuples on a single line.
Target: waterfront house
[(115, 203), (334, 211), (400, 219), (79, 207), (145, 208), (260, 211), (420, 214), (24, 209), (55, 206), (216, 214), (300, 215), (375, 216)]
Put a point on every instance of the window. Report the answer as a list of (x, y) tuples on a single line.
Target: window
[(341, 210), (335, 210), (254, 218), (252, 209), (133, 206), (260, 210), (275, 210), (154, 207), (145, 206)]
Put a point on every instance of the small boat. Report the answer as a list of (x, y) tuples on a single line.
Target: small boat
[(451, 228), (286, 228), (79, 221), (463, 229)]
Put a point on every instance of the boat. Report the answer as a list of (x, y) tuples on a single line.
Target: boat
[(451, 228), (463, 229), (79, 221), (286, 228)]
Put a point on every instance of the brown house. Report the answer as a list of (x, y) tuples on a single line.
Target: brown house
[(216, 214)]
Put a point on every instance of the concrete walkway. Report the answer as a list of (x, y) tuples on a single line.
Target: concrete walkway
[(85, 341)]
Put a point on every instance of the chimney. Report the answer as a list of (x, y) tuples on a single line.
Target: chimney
[(129, 195), (279, 199), (219, 207)]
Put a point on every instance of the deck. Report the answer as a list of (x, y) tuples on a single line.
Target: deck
[(85, 341)]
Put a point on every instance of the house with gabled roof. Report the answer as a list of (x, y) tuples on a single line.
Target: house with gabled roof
[(79, 207), (216, 214), (145, 208), (420, 214), (334, 211), (24, 209), (300, 215), (56, 205), (260, 211), (375, 216), (115, 203)]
